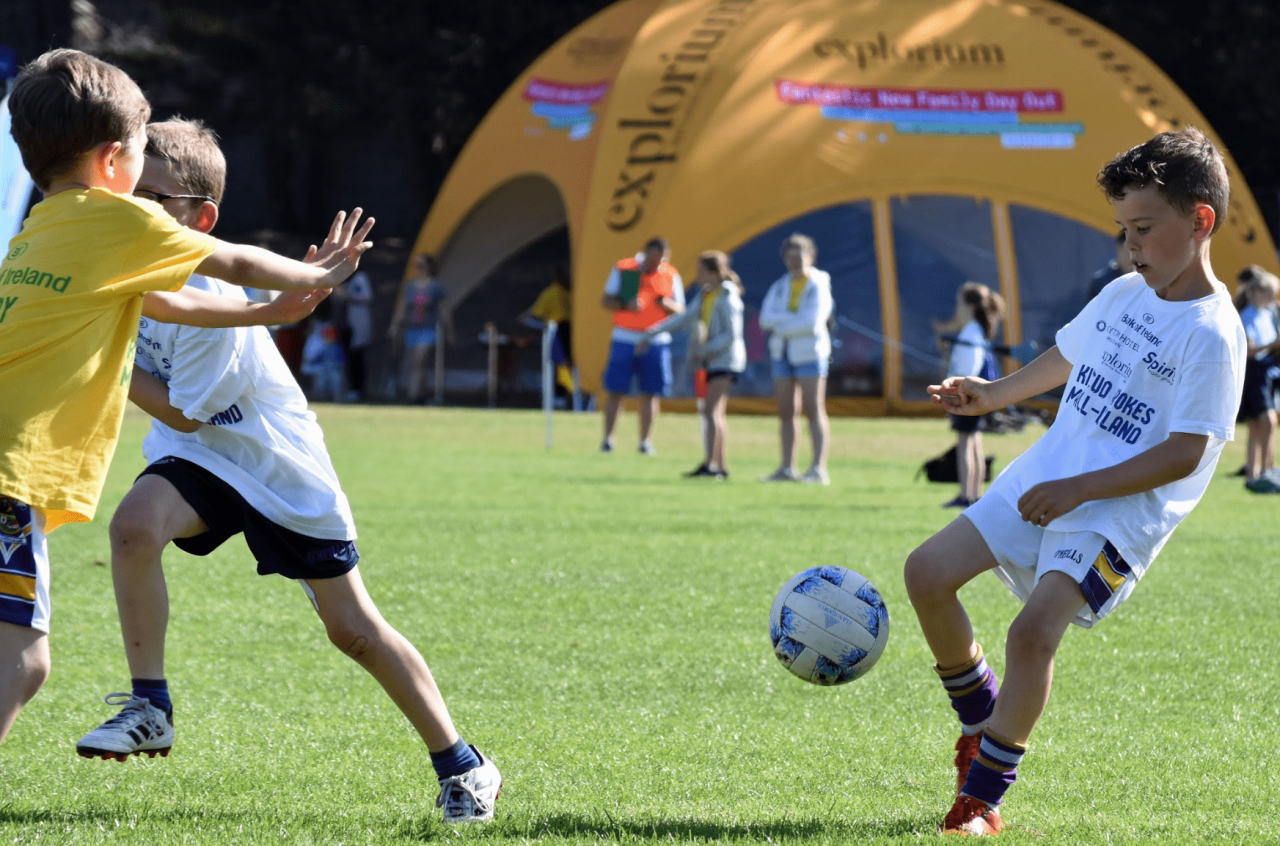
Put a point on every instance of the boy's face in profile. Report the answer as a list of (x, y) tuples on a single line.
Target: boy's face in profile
[(157, 178), (1160, 240)]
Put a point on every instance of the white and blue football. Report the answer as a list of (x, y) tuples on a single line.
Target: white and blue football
[(828, 625)]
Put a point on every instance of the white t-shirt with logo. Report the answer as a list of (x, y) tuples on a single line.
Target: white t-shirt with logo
[(1142, 368), (259, 436)]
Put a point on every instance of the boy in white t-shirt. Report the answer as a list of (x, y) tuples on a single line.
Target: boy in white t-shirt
[(1152, 369), (235, 449), (1258, 403)]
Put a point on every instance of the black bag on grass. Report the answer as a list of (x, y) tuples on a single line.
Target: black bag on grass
[(943, 468)]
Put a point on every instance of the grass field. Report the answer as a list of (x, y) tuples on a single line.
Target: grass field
[(599, 627)]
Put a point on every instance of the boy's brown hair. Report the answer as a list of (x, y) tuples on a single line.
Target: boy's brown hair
[(191, 151), (66, 103), (1183, 164)]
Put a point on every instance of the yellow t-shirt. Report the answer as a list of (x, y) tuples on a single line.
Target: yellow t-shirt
[(71, 288), (797, 288), (553, 303), (708, 303)]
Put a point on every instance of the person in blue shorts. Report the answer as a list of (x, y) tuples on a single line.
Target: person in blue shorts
[(641, 291)]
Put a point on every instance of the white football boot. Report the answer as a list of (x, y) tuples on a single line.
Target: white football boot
[(470, 797), (139, 728)]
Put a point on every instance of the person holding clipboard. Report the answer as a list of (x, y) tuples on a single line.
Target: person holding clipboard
[(641, 291)]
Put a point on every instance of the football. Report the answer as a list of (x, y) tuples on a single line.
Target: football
[(828, 625)]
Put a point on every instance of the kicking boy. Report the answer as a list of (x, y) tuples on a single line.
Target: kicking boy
[(235, 449), (1153, 370), (72, 285)]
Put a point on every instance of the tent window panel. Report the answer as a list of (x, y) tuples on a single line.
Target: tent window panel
[(939, 243), (845, 235), (1057, 258)]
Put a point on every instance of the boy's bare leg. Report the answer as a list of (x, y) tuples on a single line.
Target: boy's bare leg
[(151, 514), (24, 667), (355, 626), (1029, 650), (934, 574)]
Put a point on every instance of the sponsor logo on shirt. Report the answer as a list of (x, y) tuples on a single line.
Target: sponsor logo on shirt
[(226, 418), (1142, 331)]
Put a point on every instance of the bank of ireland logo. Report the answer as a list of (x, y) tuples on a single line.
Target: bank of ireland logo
[(1101, 326), (1148, 318), (13, 535), (17, 251)]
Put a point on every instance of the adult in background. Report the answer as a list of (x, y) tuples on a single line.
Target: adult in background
[(640, 291), (416, 324), (977, 317), (1258, 404), (795, 312), (717, 351)]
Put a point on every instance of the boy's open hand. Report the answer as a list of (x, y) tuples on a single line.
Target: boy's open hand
[(340, 252), (292, 306), (967, 396)]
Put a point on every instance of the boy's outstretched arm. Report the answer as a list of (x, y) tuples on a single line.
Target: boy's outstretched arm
[(972, 396), (254, 267), (195, 307), (152, 396), (1175, 458)]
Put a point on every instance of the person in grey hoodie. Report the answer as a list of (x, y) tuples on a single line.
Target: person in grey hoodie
[(717, 350), (795, 311)]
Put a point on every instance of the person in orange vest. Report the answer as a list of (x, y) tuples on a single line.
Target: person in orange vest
[(640, 291)]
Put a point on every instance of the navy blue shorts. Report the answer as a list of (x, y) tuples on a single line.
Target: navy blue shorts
[(1258, 395), (277, 549)]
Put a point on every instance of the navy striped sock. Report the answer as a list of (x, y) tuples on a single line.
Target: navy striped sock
[(995, 770), (156, 690), (973, 689), (455, 760)]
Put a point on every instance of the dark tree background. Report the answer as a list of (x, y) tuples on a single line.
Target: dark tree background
[(326, 104)]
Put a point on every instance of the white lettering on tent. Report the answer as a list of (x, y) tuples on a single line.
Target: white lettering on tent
[(796, 93)]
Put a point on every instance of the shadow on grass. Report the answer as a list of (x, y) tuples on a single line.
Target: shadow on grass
[(619, 828)]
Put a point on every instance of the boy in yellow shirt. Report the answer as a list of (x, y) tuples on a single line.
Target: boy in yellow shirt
[(72, 288)]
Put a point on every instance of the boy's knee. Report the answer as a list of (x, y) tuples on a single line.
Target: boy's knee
[(1031, 638), (352, 634), (919, 574), (134, 531)]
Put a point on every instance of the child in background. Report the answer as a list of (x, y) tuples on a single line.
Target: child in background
[(979, 311), (1153, 367), (718, 351), (234, 449), (1258, 403), (89, 259)]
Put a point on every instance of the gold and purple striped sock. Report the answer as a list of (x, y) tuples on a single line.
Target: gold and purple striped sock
[(995, 769), (973, 688)]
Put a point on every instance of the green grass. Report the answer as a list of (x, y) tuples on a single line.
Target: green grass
[(599, 626)]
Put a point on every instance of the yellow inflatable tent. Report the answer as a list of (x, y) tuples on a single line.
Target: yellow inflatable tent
[(922, 143)]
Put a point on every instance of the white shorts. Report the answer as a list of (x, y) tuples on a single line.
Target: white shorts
[(1024, 552), (24, 566)]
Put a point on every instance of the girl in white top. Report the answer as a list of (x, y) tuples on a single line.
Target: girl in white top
[(978, 314), (795, 311)]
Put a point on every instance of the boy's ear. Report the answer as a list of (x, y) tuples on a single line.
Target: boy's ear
[(1202, 220), (103, 158), (206, 217)]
